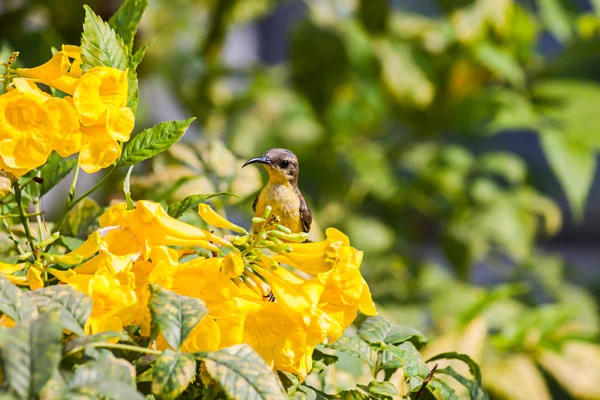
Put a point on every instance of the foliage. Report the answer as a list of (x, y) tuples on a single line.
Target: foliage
[(391, 113)]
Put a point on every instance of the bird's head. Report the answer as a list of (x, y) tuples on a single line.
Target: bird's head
[(281, 164)]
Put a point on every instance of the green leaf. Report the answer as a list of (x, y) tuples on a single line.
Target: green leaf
[(574, 164), (14, 303), (100, 45), (379, 331), (54, 171), (242, 373), (556, 19), (176, 210), (172, 374), (383, 388), (476, 391), (127, 189), (154, 140), (473, 367), (413, 363), (74, 306), (133, 91), (290, 382), (106, 376), (138, 56), (440, 390), (352, 345), (501, 62), (83, 219), (30, 353), (71, 242), (174, 315), (127, 18)]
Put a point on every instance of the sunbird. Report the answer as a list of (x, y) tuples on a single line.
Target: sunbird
[(281, 192)]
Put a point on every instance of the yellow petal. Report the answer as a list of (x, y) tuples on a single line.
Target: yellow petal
[(34, 276), (97, 89), (53, 69), (212, 218), (62, 276), (233, 265), (9, 269), (120, 122), (67, 139), (99, 151)]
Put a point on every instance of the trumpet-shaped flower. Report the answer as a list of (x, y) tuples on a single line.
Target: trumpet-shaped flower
[(59, 73), (31, 126), (283, 312), (97, 118)]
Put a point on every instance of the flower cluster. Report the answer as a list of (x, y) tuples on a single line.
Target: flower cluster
[(90, 120), (282, 302)]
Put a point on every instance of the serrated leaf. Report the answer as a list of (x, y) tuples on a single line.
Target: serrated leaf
[(174, 315), (176, 210), (475, 389), (30, 353), (127, 18), (133, 90), (172, 373), (100, 45), (473, 367), (138, 56), (154, 140), (54, 171), (14, 303), (242, 373), (379, 331), (74, 306)]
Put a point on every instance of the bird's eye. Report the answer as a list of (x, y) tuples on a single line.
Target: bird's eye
[(285, 164)]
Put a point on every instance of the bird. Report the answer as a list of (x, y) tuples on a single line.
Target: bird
[(281, 192)]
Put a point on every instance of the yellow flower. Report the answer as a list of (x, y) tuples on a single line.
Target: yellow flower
[(212, 218), (55, 68), (59, 72), (34, 276), (31, 124), (100, 98), (233, 265)]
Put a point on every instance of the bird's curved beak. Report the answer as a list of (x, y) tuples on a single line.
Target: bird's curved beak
[(259, 160)]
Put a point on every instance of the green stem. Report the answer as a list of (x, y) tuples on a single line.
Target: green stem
[(23, 215), (18, 215), (72, 204), (73, 184), (38, 217), (13, 238), (115, 346)]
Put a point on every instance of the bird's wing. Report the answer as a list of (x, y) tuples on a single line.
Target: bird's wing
[(305, 215), (255, 201)]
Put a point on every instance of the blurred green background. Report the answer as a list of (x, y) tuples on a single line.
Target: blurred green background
[(454, 141)]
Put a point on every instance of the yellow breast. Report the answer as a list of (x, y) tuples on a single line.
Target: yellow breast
[(285, 203)]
